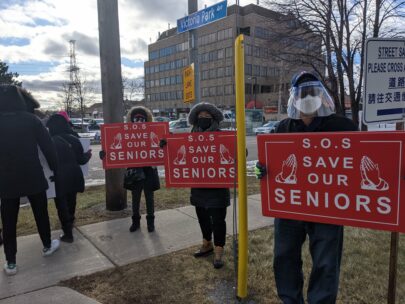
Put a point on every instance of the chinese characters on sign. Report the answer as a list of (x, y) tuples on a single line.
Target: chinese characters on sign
[(133, 144), (384, 80), (201, 160), (335, 178)]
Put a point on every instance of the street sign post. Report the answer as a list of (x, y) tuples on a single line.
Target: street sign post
[(384, 80), (202, 17), (188, 84)]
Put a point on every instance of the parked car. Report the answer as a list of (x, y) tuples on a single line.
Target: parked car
[(266, 128), (179, 126), (161, 118)]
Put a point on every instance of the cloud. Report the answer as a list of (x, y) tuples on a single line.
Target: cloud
[(87, 44), (55, 48)]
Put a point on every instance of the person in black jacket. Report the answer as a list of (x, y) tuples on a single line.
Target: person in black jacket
[(310, 109), (147, 180), (69, 179), (210, 203), (21, 174)]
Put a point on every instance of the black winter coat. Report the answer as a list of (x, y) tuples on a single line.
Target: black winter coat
[(332, 123), (21, 173), (210, 197), (69, 178), (151, 182), (71, 155)]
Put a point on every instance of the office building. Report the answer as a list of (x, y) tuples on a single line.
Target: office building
[(266, 76)]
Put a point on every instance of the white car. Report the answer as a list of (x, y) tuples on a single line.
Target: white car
[(266, 128), (179, 126)]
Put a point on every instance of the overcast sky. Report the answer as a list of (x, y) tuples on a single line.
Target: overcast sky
[(35, 34)]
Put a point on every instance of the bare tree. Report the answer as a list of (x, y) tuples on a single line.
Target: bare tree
[(132, 89), (339, 29)]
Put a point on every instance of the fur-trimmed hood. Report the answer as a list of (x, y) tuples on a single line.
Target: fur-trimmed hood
[(11, 99), (133, 110), (30, 101), (205, 106)]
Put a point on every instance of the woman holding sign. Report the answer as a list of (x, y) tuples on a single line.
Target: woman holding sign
[(142, 178), (210, 203)]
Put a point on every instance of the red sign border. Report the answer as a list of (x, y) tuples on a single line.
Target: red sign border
[(169, 184), (343, 221), (121, 165)]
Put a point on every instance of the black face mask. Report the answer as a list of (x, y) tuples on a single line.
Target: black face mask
[(204, 122)]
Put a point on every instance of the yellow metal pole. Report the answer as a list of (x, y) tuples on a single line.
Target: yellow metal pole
[(242, 197)]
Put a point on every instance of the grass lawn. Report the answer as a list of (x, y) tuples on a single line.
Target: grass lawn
[(91, 206), (180, 278)]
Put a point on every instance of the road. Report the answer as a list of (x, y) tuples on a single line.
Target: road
[(96, 171)]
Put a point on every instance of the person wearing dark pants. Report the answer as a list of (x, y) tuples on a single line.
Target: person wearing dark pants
[(140, 179), (210, 203), (21, 173), (212, 221), (325, 245), (150, 205), (69, 179), (310, 109), (11, 207)]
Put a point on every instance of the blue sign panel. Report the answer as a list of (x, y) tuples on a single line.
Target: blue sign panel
[(203, 17)]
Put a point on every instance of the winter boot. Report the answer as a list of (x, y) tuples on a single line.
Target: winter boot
[(218, 257), (67, 236), (150, 221), (136, 223), (205, 250)]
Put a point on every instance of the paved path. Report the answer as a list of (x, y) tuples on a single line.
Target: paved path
[(102, 246)]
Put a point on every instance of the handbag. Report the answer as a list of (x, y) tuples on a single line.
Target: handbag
[(132, 176)]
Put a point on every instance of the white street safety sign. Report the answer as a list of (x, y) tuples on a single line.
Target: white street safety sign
[(384, 80)]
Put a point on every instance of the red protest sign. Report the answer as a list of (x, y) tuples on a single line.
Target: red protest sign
[(352, 178), (200, 160), (133, 144)]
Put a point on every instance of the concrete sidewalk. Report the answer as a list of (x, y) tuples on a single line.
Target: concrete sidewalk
[(102, 246)]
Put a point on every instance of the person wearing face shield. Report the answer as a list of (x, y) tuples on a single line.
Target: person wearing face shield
[(310, 109)]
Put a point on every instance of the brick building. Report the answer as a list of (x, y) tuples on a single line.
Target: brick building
[(266, 76)]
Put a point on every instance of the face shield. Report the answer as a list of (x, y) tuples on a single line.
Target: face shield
[(310, 99)]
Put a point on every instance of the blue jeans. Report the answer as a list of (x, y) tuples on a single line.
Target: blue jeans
[(325, 245)]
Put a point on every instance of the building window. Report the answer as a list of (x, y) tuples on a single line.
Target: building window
[(220, 90), (167, 81), (220, 72), (173, 80), (178, 79), (204, 75), (204, 57), (256, 70), (213, 91), (228, 89), (248, 50), (256, 51), (228, 52), (220, 53), (263, 72), (205, 92), (213, 55), (228, 71), (248, 69), (213, 73)]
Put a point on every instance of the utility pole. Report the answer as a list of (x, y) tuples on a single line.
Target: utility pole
[(111, 84)]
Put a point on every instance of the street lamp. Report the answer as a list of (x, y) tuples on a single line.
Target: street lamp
[(253, 88)]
